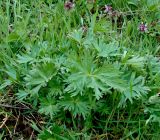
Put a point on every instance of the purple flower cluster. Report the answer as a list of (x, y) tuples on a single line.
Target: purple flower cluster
[(69, 5), (143, 27), (108, 9)]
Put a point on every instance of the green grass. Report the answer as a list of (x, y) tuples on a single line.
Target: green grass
[(79, 74)]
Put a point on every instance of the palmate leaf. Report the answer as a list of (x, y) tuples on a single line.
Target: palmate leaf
[(40, 74), (110, 76), (76, 35), (48, 106), (27, 93), (85, 73), (153, 108), (106, 50), (5, 84), (35, 53), (11, 71), (55, 87), (136, 62), (135, 90), (25, 58), (21, 95), (154, 64), (76, 105)]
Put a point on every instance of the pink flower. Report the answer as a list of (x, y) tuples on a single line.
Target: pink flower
[(143, 27), (108, 9), (69, 5)]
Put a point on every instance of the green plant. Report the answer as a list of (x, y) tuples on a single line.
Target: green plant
[(81, 73)]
